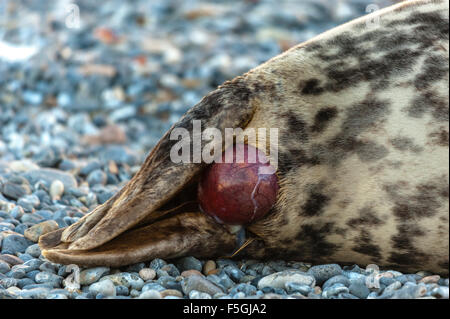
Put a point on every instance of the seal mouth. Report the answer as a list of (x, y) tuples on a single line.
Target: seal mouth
[(156, 214)]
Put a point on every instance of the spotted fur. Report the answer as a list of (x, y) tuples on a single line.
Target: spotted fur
[(362, 112)]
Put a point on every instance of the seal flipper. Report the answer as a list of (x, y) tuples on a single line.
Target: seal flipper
[(193, 233), (159, 179)]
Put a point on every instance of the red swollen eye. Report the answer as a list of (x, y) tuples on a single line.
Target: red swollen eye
[(236, 193)]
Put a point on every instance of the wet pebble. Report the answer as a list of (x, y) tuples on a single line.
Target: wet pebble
[(324, 272), (91, 275), (279, 279), (105, 287)]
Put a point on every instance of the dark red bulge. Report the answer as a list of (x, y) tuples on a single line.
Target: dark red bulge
[(236, 193)]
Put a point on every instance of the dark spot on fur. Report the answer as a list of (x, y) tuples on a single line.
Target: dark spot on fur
[(423, 203), (366, 246), (403, 143), (433, 24), (358, 118), (406, 253), (314, 245), (316, 202), (435, 68), (311, 87), (296, 126), (323, 118), (294, 158), (429, 102), (440, 138), (367, 217)]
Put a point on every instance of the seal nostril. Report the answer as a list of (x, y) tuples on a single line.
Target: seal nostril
[(236, 193)]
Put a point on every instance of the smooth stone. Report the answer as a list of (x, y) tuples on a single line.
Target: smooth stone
[(90, 167), (134, 293), (359, 290), (14, 244), (430, 279), (4, 267), (246, 289), (16, 273), (153, 286), (157, 263), (191, 272), (187, 263), (334, 290), (147, 274), (293, 287), (150, 294), (35, 293), (56, 296), (8, 282), (15, 191), (34, 232), (25, 282), (234, 273), (410, 291), (48, 278), (33, 250), (200, 284), (171, 292), (31, 219), (17, 212), (440, 292), (91, 275), (209, 266), (173, 284), (171, 270), (105, 287), (32, 274), (48, 266), (49, 175), (97, 177), (324, 272), (223, 281), (126, 279), (11, 259), (279, 279), (56, 189), (336, 279), (122, 291), (194, 294)]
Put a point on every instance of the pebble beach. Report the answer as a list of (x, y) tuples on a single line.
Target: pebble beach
[(85, 94)]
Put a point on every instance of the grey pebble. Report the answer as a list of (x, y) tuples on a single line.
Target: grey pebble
[(324, 272), (153, 286), (105, 287), (35, 293), (194, 294), (4, 267), (13, 244), (33, 250), (91, 275), (336, 279), (334, 290), (150, 294), (279, 279), (48, 278), (157, 263), (199, 283), (187, 263), (359, 290)]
